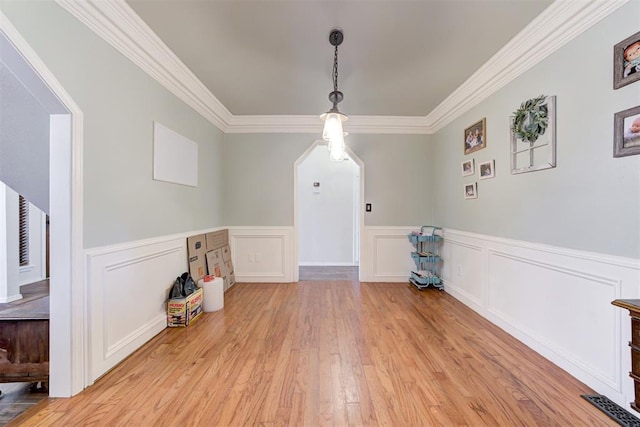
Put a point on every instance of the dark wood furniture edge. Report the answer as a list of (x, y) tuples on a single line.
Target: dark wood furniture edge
[(629, 304)]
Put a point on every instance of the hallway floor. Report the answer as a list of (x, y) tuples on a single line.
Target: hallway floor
[(328, 273)]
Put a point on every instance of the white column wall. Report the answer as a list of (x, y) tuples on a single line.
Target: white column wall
[(36, 270), (9, 272)]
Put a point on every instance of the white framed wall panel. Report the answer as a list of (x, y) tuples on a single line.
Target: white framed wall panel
[(463, 265), (555, 300), (386, 256), (128, 290), (262, 254)]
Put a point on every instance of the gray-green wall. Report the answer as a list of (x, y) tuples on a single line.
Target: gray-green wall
[(23, 123), (260, 169), (590, 201), (120, 102)]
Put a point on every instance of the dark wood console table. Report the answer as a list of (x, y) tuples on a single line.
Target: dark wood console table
[(24, 342), (633, 305)]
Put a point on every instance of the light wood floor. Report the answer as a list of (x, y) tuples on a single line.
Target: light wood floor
[(330, 353)]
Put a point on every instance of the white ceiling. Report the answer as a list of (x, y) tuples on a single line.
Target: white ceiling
[(398, 58)]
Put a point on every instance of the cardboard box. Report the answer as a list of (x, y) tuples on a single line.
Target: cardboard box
[(215, 264), (196, 251), (231, 280), (196, 245), (217, 239), (182, 312), (230, 277), (226, 253), (197, 267)]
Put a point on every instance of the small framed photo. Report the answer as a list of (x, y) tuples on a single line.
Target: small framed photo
[(487, 169), (471, 191), (626, 132), (626, 61), (475, 137), (468, 168)]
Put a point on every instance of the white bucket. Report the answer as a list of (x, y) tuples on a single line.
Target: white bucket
[(213, 293)]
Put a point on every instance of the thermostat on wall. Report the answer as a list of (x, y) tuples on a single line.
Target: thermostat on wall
[(316, 187)]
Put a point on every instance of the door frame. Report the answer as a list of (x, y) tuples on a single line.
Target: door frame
[(68, 357), (360, 214)]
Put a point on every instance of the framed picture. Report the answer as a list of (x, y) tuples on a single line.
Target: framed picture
[(533, 135), (468, 168), (487, 169), (626, 61), (626, 132), (471, 191), (475, 137)]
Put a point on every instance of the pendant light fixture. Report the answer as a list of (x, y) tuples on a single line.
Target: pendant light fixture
[(332, 132)]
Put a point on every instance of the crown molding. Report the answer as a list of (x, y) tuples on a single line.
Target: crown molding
[(118, 24), (559, 23), (313, 124)]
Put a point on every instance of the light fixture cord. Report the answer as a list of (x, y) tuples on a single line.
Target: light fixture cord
[(335, 74)]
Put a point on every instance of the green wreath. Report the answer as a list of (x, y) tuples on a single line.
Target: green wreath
[(531, 119)]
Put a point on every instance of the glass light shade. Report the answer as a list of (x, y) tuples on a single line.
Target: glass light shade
[(334, 134), (332, 125), (336, 151)]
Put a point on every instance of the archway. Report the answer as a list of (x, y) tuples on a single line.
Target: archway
[(358, 217)]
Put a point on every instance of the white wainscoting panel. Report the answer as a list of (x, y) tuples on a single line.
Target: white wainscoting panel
[(262, 254), (463, 261), (386, 255), (555, 300), (128, 288)]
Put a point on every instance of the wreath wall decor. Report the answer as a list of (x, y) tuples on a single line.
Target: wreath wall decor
[(531, 119), (533, 135)]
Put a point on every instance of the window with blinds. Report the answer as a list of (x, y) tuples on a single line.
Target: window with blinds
[(24, 230)]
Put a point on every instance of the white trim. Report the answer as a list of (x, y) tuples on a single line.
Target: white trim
[(118, 24), (43, 246), (26, 268), (560, 23), (541, 247), (119, 247), (12, 298), (312, 124), (68, 359)]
